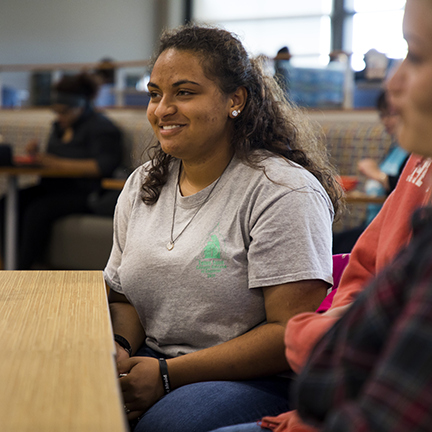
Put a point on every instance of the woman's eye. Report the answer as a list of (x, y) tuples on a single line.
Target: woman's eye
[(153, 95), (413, 58), (184, 93)]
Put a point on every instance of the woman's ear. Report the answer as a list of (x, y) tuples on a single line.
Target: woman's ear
[(238, 101)]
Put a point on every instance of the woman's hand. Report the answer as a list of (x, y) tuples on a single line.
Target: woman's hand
[(142, 387), (371, 170), (88, 167), (32, 147), (121, 353), (47, 160), (337, 312)]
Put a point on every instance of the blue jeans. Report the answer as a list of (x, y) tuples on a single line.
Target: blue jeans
[(205, 406)]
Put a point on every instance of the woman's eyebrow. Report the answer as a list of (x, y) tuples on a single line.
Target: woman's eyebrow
[(176, 84), (181, 82)]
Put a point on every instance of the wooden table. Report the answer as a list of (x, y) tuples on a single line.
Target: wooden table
[(11, 213), (113, 183), (57, 370), (357, 197)]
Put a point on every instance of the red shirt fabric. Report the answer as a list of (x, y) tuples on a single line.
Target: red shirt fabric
[(376, 247), (372, 370)]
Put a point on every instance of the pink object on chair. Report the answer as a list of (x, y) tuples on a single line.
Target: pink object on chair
[(340, 261)]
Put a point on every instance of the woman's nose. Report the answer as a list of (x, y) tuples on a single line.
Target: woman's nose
[(395, 81), (165, 107)]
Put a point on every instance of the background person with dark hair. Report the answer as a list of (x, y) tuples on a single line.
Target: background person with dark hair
[(81, 139), (381, 178), (282, 67), (105, 76)]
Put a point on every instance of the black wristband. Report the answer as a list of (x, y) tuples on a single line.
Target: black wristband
[(163, 367), (123, 343)]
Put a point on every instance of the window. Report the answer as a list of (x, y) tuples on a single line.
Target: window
[(374, 24), (306, 26), (265, 27)]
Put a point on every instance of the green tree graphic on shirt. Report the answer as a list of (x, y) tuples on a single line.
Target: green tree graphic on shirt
[(210, 260), (213, 249)]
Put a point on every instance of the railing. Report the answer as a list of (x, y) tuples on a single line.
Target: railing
[(119, 89), (122, 92)]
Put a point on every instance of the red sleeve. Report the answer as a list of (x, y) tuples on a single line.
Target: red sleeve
[(304, 330), (374, 249)]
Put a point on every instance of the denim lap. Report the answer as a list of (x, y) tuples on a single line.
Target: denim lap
[(203, 407), (206, 406)]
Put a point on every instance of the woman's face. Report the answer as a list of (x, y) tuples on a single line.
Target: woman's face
[(188, 112), (410, 88), (66, 115), (390, 120)]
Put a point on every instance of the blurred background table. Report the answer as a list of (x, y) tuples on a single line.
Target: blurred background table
[(57, 370), (357, 197), (11, 212), (113, 183)]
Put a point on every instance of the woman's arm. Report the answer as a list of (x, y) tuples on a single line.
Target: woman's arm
[(371, 169), (87, 166), (125, 322), (257, 353)]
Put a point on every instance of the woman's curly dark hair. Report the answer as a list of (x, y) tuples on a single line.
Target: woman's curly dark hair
[(81, 84), (268, 121)]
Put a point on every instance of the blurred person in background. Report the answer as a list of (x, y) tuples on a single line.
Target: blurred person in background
[(81, 140), (105, 75), (381, 177), (282, 68)]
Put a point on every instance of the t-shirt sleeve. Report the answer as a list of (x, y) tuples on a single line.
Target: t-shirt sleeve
[(121, 219), (290, 237)]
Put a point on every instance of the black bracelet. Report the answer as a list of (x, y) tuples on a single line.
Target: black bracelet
[(163, 367), (123, 342)]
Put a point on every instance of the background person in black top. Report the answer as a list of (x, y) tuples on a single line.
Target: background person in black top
[(80, 138)]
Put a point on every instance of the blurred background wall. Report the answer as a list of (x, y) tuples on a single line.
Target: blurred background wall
[(63, 31)]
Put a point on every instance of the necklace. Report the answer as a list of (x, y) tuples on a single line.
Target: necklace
[(170, 245)]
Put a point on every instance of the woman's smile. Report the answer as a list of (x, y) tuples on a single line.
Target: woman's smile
[(171, 129)]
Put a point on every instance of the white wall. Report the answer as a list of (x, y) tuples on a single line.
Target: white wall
[(45, 31), (62, 31)]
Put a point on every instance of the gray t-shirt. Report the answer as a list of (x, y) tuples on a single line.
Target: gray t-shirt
[(251, 233)]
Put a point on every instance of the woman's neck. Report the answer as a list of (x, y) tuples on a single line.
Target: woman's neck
[(195, 177)]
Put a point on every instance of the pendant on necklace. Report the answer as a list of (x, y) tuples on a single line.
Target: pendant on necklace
[(170, 245)]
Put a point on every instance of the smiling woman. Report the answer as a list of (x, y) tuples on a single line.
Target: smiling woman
[(411, 86), (219, 240)]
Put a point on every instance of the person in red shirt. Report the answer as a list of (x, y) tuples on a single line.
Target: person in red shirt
[(390, 379)]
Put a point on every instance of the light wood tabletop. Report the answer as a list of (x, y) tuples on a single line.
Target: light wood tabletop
[(57, 368)]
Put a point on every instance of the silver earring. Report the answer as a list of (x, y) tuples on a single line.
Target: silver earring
[(235, 113)]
